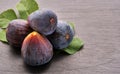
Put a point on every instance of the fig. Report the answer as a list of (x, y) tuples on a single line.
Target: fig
[(16, 31), (36, 49), (43, 21), (62, 36)]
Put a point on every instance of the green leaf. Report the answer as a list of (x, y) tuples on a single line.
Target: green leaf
[(4, 23), (3, 35), (8, 14), (6, 17), (25, 7), (74, 46)]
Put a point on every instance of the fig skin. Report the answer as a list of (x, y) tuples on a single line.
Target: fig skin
[(16, 31), (36, 49), (43, 21)]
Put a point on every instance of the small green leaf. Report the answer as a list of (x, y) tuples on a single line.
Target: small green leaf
[(25, 7), (6, 17), (74, 46), (4, 23), (8, 14), (3, 35)]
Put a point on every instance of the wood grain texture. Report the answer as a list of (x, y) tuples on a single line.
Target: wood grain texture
[(97, 24)]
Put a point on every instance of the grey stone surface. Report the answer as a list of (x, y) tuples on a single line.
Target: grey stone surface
[(97, 23)]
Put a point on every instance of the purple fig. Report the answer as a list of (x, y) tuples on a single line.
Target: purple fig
[(36, 49), (43, 21), (17, 30)]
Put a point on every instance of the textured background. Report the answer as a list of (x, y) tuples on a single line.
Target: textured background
[(97, 24)]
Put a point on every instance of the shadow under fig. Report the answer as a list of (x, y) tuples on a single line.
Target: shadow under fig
[(59, 55), (37, 69), (16, 52)]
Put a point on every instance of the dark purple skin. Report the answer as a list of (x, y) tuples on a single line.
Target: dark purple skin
[(62, 36), (36, 50), (16, 31), (43, 21)]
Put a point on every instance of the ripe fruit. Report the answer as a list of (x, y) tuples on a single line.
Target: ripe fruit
[(43, 21), (17, 30), (36, 49), (62, 36)]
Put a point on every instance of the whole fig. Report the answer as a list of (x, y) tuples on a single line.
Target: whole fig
[(62, 36), (43, 21), (16, 31), (36, 49)]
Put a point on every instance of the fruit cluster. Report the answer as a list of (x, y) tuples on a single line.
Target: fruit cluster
[(39, 35)]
